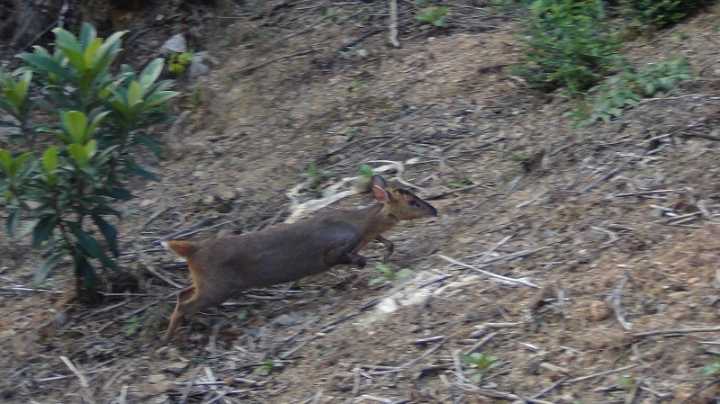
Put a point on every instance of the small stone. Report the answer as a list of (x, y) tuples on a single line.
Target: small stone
[(176, 43), (163, 398), (197, 67), (337, 140), (388, 305), (679, 296), (208, 200), (287, 320), (176, 367), (226, 193), (598, 311), (153, 389), (7, 333), (157, 378)]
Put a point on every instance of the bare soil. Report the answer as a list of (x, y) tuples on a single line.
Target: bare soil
[(616, 224)]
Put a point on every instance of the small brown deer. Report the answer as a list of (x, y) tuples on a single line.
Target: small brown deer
[(287, 252)]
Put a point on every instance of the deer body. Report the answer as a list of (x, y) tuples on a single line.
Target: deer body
[(220, 268)]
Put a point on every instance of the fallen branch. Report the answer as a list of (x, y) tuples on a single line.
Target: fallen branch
[(250, 68), (550, 388), (83, 381), (701, 136), (480, 343), (676, 331), (393, 24), (498, 394), (642, 193), (699, 391), (608, 175), (395, 369), (599, 374), (24, 289), (452, 191), (487, 273), (615, 301)]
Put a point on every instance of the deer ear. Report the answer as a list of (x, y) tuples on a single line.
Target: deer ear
[(380, 194)]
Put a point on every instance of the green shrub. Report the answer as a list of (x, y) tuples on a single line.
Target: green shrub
[(73, 145), (387, 274), (433, 15), (179, 62), (568, 44), (610, 99), (660, 13), (480, 364)]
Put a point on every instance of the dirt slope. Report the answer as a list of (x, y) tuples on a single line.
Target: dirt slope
[(617, 223)]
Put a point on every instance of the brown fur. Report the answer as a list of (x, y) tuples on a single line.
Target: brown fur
[(287, 252)]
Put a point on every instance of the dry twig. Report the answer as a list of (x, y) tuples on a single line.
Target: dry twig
[(490, 274), (393, 24), (615, 300), (599, 374), (676, 331), (250, 68), (87, 395)]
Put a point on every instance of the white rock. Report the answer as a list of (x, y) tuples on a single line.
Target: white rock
[(176, 43)]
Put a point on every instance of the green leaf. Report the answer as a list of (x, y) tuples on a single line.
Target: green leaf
[(6, 161), (86, 270), (405, 273), (47, 266), (366, 171), (106, 210), (135, 169), (91, 148), (712, 369), (151, 72), (20, 163), (90, 55), (95, 122), (120, 106), (107, 52), (75, 123), (87, 34), (160, 97), (91, 247), (43, 230), (120, 194), (50, 160), (79, 154), (12, 221), (109, 232), (134, 94), (68, 43), (16, 91), (153, 145), (45, 64)]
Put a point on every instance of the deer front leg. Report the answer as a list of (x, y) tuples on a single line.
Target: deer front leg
[(389, 247), (346, 253)]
